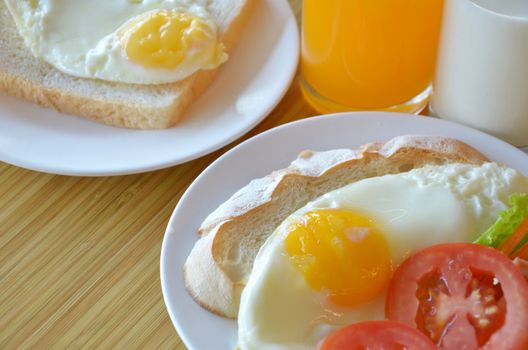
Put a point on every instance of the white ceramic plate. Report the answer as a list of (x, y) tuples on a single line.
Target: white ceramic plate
[(247, 88), (258, 156)]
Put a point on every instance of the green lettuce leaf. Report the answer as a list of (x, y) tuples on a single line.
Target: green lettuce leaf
[(507, 222)]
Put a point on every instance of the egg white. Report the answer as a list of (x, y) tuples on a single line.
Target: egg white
[(434, 204), (80, 38)]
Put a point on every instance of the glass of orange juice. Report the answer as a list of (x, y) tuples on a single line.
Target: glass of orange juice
[(369, 54)]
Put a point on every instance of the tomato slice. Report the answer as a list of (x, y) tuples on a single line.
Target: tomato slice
[(386, 335), (462, 296), (522, 265)]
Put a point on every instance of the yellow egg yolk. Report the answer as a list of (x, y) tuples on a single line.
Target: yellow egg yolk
[(164, 39), (340, 253)]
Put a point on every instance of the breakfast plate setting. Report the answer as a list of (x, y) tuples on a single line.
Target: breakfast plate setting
[(253, 81), (384, 206), (259, 156)]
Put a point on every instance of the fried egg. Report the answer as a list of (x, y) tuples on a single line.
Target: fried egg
[(330, 262), (129, 41)]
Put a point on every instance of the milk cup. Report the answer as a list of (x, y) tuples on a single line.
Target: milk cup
[(481, 77)]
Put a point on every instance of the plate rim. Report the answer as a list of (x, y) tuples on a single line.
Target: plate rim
[(165, 269), (98, 170)]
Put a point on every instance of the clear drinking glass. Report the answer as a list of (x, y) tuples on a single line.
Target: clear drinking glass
[(369, 54)]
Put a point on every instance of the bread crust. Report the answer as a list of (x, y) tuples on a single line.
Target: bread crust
[(216, 283), (122, 113)]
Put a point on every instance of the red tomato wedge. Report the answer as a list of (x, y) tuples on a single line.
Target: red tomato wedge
[(522, 265), (386, 335), (462, 296)]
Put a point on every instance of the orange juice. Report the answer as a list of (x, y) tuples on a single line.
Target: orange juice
[(368, 54)]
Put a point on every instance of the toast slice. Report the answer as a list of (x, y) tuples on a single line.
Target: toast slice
[(125, 105), (220, 263)]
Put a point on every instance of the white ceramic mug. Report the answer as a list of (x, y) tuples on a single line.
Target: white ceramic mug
[(482, 70)]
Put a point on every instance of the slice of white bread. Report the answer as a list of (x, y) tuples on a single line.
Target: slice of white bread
[(220, 262), (125, 105)]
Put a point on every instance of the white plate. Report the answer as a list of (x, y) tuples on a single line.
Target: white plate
[(258, 156), (247, 88)]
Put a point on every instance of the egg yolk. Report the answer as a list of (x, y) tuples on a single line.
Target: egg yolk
[(164, 39), (340, 253)]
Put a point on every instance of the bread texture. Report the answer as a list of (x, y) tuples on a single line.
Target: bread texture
[(220, 263), (125, 105)]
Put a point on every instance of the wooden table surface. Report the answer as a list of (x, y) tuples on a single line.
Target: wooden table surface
[(79, 256)]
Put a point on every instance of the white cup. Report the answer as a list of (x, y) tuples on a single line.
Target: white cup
[(482, 70)]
